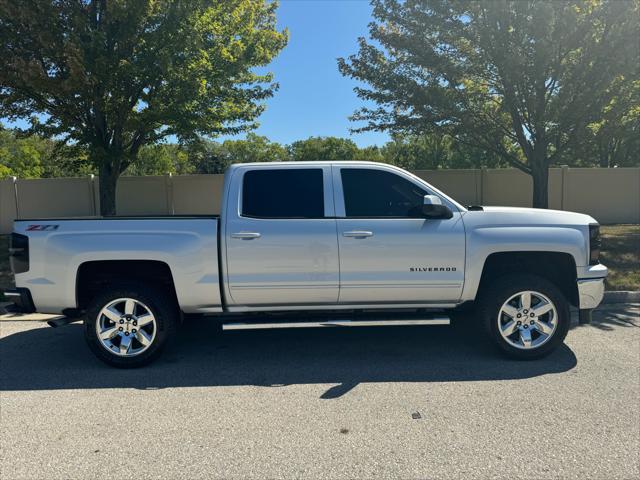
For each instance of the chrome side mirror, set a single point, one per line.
(434, 209)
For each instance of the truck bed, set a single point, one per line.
(58, 248)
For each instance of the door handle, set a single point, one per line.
(358, 234)
(246, 235)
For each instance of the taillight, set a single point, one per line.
(594, 244)
(19, 253)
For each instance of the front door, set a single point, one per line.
(281, 242)
(388, 251)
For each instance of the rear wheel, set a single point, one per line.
(129, 326)
(526, 316)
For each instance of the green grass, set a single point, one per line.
(620, 253)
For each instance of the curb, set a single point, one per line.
(621, 297)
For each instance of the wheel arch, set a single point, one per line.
(557, 267)
(92, 276)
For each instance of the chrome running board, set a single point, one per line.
(434, 320)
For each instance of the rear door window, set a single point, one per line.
(283, 193)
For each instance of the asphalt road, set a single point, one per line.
(428, 402)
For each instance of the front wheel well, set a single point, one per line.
(558, 268)
(94, 276)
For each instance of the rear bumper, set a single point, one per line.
(590, 293)
(21, 299)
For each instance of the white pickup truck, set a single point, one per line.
(331, 243)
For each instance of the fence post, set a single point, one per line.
(92, 192)
(169, 190)
(563, 185)
(483, 174)
(15, 195)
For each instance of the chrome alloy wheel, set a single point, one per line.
(527, 320)
(126, 327)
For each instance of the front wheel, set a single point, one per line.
(128, 326)
(526, 316)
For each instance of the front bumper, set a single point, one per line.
(21, 299)
(590, 293)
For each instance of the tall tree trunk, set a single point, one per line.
(109, 167)
(108, 182)
(540, 175)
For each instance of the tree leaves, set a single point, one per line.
(522, 79)
(114, 76)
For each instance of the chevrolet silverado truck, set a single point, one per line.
(313, 244)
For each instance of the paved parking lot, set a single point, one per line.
(428, 402)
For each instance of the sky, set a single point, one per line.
(314, 99)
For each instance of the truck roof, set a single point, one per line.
(315, 162)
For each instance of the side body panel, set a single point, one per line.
(399, 260)
(508, 229)
(405, 260)
(289, 261)
(187, 245)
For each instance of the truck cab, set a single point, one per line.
(338, 234)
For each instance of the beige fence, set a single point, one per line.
(609, 195)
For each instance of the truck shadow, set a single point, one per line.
(49, 359)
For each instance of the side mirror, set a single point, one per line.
(434, 209)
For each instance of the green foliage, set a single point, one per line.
(254, 148)
(112, 76)
(21, 157)
(67, 161)
(36, 157)
(212, 157)
(209, 157)
(524, 80)
(412, 152)
(323, 148)
(435, 151)
(161, 159)
(614, 139)
(371, 153)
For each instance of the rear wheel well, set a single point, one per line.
(558, 268)
(94, 276)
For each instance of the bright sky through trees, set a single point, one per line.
(314, 99)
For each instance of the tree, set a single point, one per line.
(161, 159)
(323, 148)
(22, 157)
(208, 157)
(213, 157)
(614, 139)
(434, 151)
(254, 148)
(372, 153)
(418, 152)
(496, 75)
(115, 75)
(33, 156)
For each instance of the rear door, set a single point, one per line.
(281, 241)
(389, 252)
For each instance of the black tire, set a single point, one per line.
(161, 305)
(502, 289)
